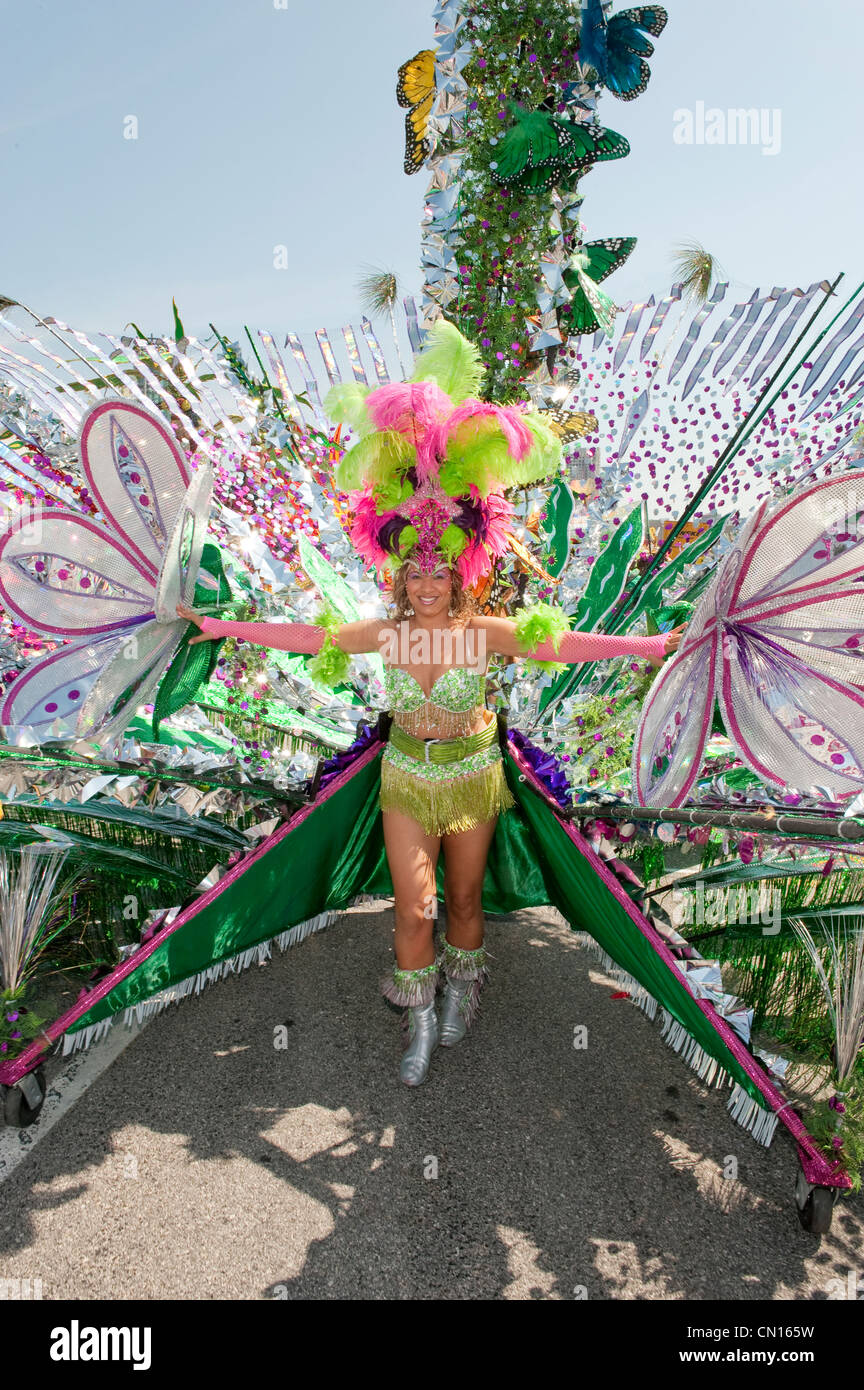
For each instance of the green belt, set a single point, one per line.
(442, 750)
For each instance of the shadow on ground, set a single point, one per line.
(210, 1162)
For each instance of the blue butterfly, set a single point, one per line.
(617, 48)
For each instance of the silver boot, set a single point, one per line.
(465, 973)
(457, 1009)
(423, 1037)
(414, 991)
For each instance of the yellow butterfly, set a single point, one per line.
(416, 89)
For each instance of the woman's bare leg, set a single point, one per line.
(412, 856)
(465, 856)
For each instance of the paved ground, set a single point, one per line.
(207, 1163)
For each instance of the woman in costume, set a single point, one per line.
(428, 473)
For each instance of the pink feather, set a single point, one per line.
(500, 518)
(515, 431)
(416, 409)
(366, 528)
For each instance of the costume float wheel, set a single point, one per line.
(23, 1101)
(815, 1206)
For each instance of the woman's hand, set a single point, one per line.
(192, 617)
(673, 639)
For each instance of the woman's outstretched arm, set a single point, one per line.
(578, 646)
(305, 638)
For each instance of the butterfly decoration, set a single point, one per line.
(617, 48)
(108, 589)
(415, 89)
(778, 639)
(590, 308)
(540, 150)
(570, 425)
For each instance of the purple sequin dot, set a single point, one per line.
(837, 758)
(817, 738)
(74, 694)
(49, 709)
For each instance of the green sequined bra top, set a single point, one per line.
(451, 710)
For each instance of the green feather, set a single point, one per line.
(541, 622)
(545, 455)
(375, 459)
(450, 360)
(331, 666)
(452, 542)
(346, 405)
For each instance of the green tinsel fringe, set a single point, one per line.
(444, 807)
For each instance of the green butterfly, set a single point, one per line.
(590, 308)
(541, 150)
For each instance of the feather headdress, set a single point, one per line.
(431, 462)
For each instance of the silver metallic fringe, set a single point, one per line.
(412, 988)
(760, 1123)
(460, 964)
(73, 1042)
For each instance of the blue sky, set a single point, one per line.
(260, 127)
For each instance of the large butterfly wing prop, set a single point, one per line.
(48, 697)
(779, 640)
(137, 474)
(415, 88)
(108, 588)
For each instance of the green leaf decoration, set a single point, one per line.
(178, 326)
(336, 594)
(605, 586)
(651, 594)
(609, 573)
(556, 528)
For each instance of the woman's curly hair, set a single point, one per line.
(462, 603)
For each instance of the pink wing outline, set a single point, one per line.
(675, 723)
(139, 494)
(43, 608)
(55, 686)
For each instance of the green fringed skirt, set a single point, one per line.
(445, 797)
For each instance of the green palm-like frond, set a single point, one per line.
(696, 269)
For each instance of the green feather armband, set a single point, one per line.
(331, 666)
(541, 622)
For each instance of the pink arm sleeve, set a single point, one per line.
(596, 646)
(288, 637)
